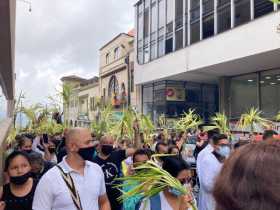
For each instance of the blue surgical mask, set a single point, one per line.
(175, 192)
(224, 151)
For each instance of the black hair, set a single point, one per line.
(14, 155)
(174, 165)
(36, 157)
(141, 152)
(269, 134)
(171, 148)
(212, 132)
(22, 140)
(217, 137)
(160, 143)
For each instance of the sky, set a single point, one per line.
(63, 37)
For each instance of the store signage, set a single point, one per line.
(175, 94)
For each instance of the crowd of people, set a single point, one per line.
(77, 171)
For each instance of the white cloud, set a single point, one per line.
(62, 37)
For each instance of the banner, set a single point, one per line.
(175, 94)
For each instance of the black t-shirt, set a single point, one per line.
(112, 169)
(13, 202)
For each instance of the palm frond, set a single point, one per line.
(220, 122)
(189, 120)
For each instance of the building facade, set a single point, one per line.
(117, 72)
(7, 72)
(211, 55)
(84, 101)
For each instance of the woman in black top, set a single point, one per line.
(18, 194)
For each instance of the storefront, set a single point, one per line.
(260, 90)
(172, 98)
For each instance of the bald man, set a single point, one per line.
(75, 183)
(110, 161)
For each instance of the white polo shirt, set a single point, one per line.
(53, 194)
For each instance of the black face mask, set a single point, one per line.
(28, 151)
(20, 180)
(52, 150)
(87, 153)
(107, 149)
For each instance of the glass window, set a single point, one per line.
(161, 14)
(161, 50)
(208, 18)
(208, 26)
(179, 39)
(107, 58)
(224, 15)
(153, 51)
(195, 21)
(146, 23)
(262, 7)
(140, 26)
(140, 56)
(186, 21)
(154, 18)
(170, 10)
(117, 53)
(146, 54)
(243, 94)
(169, 46)
(179, 13)
(147, 100)
(242, 12)
(270, 93)
(147, 3)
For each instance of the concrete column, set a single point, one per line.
(224, 95)
(10, 108)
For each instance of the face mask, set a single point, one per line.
(20, 180)
(28, 151)
(86, 153)
(174, 192)
(107, 149)
(224, 151)
(52, 150)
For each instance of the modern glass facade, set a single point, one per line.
(164, 26)
(172, 98)
(260, 90)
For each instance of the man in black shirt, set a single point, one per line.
(110, 161)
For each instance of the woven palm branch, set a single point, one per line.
(219, 121)
(251, 119)
(151, 180)
(189, 120)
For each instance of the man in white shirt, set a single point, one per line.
(209, 167)
(86, 185)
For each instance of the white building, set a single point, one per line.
(210, 55)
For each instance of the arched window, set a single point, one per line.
(113, 86)
(117, 53)
(107, 58)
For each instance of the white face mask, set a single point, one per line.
(224, 151)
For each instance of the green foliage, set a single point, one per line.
(11, 136)
(219, 121)
(253, 118)
(275, 1)
(189, 120)
(152, 180)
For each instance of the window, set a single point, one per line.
(208, 18)
(140, 26)
(140, 55)
(270, 93)
(153, 51)
(169, 11)
(107, 58)
(195, 21)
(146, 54)
(146, 25)
(243, 94)
(117, 53)
(224, 15)
(169, 45)
(113, 88)
(186, 19)
(132, 79)
(161, 14)
(179, 39)
(92, 104)
(262, 7)
(179, 14)
(161, 50)
(154, 18)
(242, 12)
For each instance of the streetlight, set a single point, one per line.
(29, 3)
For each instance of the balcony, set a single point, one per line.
(113, 66)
